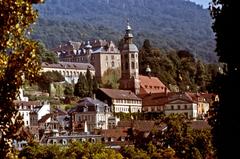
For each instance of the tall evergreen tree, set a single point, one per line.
(89, 83)
(144, 56)
(80, 88)
(225, 123)
(95, 84)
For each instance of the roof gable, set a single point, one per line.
(180, 101)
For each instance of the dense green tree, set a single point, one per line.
(68, 91)
(111, 78)
(200, 75)
(176, 68)
(145, 57)
(224, 121)
(134, 153)
(89, 79)
(47, 78)
(95, 85)
(17, 60)
(73, 150)
(45, 55)
(177, 140)
(86, 85)
(80, 88)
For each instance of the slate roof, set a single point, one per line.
(90, 104)
(130, 47)
(69, 65)
(119, 94)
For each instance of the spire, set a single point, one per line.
(128, 35)
(128, 26)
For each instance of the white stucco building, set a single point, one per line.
(182, 103)
(69, 70)
(90, 114)
(25, 108)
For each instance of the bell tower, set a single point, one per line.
(129, 63)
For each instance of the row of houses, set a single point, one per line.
(92, 120)
(99, 113)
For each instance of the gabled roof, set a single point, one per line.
(180, 101)
(154, 99)
(119, 94)
(45, 118)
(151, 84)
(180, 98)
(160, 99)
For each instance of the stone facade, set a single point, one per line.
(102, 54)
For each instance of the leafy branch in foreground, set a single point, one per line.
(17, 61)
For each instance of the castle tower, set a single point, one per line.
(129, 63)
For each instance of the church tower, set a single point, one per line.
(129, 63)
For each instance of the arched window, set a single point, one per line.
(133, 65)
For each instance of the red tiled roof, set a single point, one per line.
(150, 84)
(203, 97)
(154, 99)
(209, 96)
(143, 125)
(139, 125)
(115, 133)
(119, 94)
